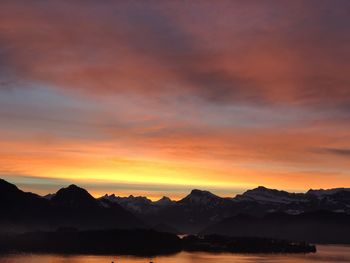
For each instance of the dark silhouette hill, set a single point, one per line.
(74, 197)
(69, 207)
(19, 209)
(315, 227)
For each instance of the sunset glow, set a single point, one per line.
(156, 98)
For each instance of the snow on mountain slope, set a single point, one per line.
(264, 195)
(139, 204)
(199, 197)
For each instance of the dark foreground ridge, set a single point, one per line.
(140, 242)
(315, 227)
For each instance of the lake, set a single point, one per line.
(325, 253)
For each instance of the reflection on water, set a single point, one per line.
(325, 254)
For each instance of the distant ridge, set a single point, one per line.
(201, 208)
(324, 192)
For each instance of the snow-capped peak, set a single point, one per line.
(200, 197)
(262, 194)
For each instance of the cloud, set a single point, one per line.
(211, 86)
(259, 52)
(336, 151)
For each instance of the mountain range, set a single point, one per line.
(198, 212)
(200, 209)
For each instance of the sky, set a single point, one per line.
(156, 98)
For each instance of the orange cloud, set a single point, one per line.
(231, 51)
(233, 93)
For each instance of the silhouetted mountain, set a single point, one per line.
(336, 200)
(315, 227)
(200, 208)
(138, 204)
(74, 196)
(9, 192)
(264, 195)
(18, 208)
(201, 198)
(192, 213)
(326, 192)
(71, 206)
(75, 207)
(164, 201)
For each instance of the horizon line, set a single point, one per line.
(22, 187)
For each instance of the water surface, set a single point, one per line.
(325, 253)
